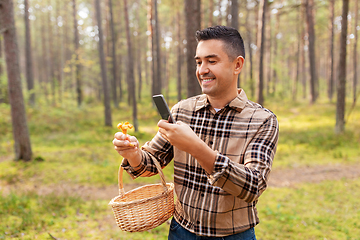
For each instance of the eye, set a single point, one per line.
(212, 61)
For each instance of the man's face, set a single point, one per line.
(215, 71)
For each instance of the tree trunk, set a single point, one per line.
(355, 51)
(261, 43)
(139, 70)
(66, 54)
(211, 13)
(120, 67)
(220, 15)
(303, 53)
(50, 51)
(59, 51)
(1, 56)
(29, 62)
(131, 78)
(275, 61)
(303, 64)
(179, 56)
(268, 52)
(62, 57)
(2, 91)
(341, 83)
(108, 121)
(139, 52)
(157, 50)
(77, 63)
(249, 34)
(41, 65)
(150, 17)
(228, 13)
(18, 115)
(45, 59)
(234, 11)
(297, 77)
(235, 14)
(312, 50)
(166, 64)
(114, 74)
(331, 54)
(192, 20)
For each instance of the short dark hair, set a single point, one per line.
(234, 44)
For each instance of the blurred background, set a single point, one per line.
(71, 70)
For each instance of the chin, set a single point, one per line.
(206, 91)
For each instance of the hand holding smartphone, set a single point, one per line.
(163, 108)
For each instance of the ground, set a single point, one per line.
(278, 178)
(291, 177)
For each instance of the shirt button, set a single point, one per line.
(211, 142)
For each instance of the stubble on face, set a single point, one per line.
(214, 68)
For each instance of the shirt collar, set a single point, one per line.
(238, 103)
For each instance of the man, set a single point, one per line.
(222, 144)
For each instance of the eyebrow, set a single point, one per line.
(208, 56)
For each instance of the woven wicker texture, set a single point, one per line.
(143, 208)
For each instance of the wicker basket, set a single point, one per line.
(145, 207)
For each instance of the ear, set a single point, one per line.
(239, 63)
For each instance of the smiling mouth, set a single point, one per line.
(208, 80)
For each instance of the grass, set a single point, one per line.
(307, 136)
(31, 216)
(71, 146)
(328, 210)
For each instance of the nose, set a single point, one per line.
(203, 69)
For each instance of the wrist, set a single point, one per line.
(205, 156)
(135, 159)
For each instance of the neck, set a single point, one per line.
(221, 101)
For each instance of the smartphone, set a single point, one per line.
(163, 108)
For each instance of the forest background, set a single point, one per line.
(66, 81)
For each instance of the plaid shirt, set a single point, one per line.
(245, 136)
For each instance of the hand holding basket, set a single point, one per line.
(145, 207)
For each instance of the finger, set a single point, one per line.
(180, 123)
(164, 124)
(162, 131)
(121, 143)
(163, 134)
(115, 142)
(120, 136)
(133, 141)
(125, 150)
(132, 138)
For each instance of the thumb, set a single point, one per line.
(180, 123)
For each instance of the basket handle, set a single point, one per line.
(158, 167)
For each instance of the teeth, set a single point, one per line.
(208, 80)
